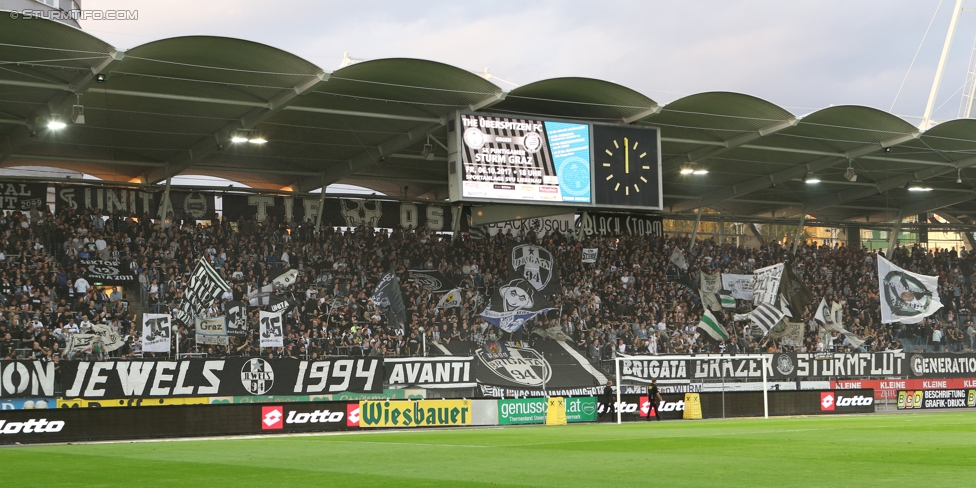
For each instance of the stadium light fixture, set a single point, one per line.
(56, 124)
(238, 139)
(687, 170)
(917, 186)
(811, 179)
(850, 175)
(100, 78)
(700, 171)
(257, 140)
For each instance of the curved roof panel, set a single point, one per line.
(176, 103)
(577, 98)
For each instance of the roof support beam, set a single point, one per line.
(732, 143)
(936, 203)
(57, 104)
(642, 114)
(792, 172)
(211, 143)
(884, 185)
(388, 148)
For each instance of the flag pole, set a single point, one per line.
(616, 362)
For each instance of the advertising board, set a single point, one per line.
(533, 410)
(90, 424)
(419, 413)
(936, 399)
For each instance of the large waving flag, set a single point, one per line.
(906, 297)
(712, 327)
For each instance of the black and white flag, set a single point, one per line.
(107, 272)
(513, 304)
(272, 330)
(389, 297)
(432, 280)
(678, 259)
(156, 332)
(766, 316)
(451, 299)
(236, 318)
(536, 265)
(590, 254)
(906, 297)
(795, 293)
(204, 287)
(765, 284)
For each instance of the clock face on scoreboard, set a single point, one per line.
(626, 170)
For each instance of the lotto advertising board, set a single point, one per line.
(890, 388)
(533, 410)
(528, 160)
(750, 404)
(91, 424)
(936, 399)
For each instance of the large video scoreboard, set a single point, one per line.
(554, 162)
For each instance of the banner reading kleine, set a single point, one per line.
(420, 413)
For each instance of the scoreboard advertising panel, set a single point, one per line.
(553, 162)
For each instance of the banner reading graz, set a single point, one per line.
(347, 212)
(22, 196)
(125, 201)
(779, 366)
(548, 367)
(219, 377)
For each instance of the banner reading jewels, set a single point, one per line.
(219, 377)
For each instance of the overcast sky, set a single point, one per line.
(801, 55)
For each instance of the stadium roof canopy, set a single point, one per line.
(171, 107)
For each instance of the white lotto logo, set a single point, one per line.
(318, 416)
(678, 406)
(31, 426)
(827, 401)
(857, 401)
(272, 417)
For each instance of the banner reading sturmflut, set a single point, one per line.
(906, 297)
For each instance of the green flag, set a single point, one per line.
(711, 327)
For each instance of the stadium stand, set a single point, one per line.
(630, 301)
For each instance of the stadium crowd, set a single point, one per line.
(631, 300)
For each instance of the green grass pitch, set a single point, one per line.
(932, 449)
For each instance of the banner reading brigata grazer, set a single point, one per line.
(220, 377)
